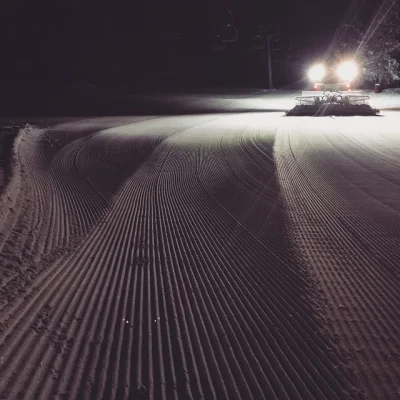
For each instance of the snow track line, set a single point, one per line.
(367, 219)
(182, 260)
(385, 242)
(62, 333)
(199, 236)
(364, 319)
(317, 396)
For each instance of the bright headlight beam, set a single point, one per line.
(347, 71)
(316, 73)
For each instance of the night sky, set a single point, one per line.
(292, 15)
(53, 38)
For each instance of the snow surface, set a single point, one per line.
(228, 253)
(389, 99)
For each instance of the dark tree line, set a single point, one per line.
(373, 38)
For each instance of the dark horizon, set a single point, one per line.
(163, 42)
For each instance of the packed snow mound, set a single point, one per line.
(391, 91)
(389, 99)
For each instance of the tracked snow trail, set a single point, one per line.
(341, 189)
(178, 258)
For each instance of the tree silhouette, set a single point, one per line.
(376, 46)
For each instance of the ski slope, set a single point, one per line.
(227, 254)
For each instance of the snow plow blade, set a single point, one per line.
(331, 103)
(332, 109)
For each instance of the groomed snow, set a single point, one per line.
(228, 253)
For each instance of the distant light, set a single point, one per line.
(317, 73)
(347, 71)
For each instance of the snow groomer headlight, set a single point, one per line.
(317, 73)
(347, 71)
